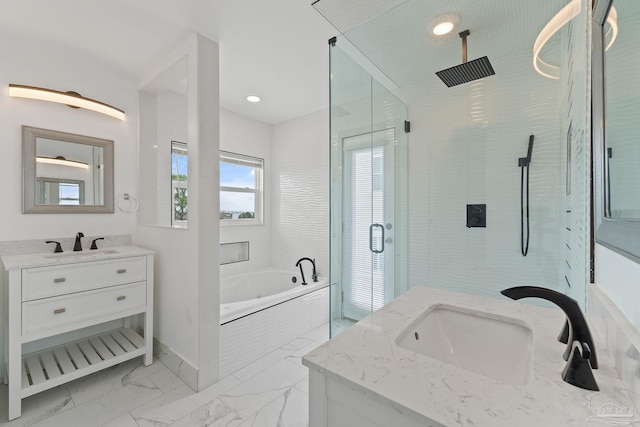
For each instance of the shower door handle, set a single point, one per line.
(371, 227)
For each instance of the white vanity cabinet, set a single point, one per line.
(47, 297)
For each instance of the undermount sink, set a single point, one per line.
(495, 346)
(82, 254)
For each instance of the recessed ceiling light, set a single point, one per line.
(443, 28)
(253, 98)
(443, 24)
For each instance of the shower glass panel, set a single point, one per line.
(368, 192)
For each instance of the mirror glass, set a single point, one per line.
(622, 109)
(164, 160)
(66, 173)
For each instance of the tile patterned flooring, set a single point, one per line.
(271, 391)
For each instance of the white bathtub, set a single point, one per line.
(246, 293)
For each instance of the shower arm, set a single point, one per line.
(464, 35)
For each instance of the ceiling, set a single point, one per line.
(276, 49)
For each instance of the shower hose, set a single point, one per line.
(524, 246)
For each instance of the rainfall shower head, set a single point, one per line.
(467, 71)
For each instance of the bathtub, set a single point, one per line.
(262, 311)
(246, 293)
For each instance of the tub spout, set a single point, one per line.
(314, 275)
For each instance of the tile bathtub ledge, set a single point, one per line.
(366, 359)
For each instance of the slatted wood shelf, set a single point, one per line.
(52, 367)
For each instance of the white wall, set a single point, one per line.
(187, 292)
(464, 146)
(619, 278)
(41, 63)
(242, 135)
(300, 192)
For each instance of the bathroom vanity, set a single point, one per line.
(490, 362)
(71, 314)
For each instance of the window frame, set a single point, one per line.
(258, 164)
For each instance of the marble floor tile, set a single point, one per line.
(295, 357)
(270, 359)
(123, 421)
(290, 409)
(296, 344)
(253, 394)
(214, 414)
(303, 386)
(320, 334)
(179, 403)
(166, 380)
(36, 408)
(107, 407)
(132, 372)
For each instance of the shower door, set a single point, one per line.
(368, 222)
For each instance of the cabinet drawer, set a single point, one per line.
(55, 315)
(45, 282)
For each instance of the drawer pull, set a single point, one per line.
(59, 311)
(59, 280)
(122, 271)
(121, 297)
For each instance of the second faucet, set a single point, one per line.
(314, 275)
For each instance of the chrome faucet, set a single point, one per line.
(314, 275)
(580, 352)
(78, 245)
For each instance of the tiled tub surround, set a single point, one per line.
(253, 328)
(388, 385)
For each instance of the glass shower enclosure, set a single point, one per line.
(369, 135)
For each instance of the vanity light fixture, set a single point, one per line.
(443, 24)
(566, 14)
(253, 98)
(61, 161)
(72, 99)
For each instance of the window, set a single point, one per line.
(241, 194)
(179, 184)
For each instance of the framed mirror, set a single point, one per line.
(66, 173)
(616, 148)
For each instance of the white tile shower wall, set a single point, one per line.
(251, 337)
(576, 118)
(300, 203)
(239, 134)
(465, 151)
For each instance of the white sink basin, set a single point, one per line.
(491, 345)
(82, 254)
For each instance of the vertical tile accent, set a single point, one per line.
(575, 102)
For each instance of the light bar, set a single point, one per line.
(71, 99)
(566, 14)
(61, 161)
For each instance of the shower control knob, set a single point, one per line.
(388, 240)
(388, 226)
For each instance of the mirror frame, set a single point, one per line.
(620, 235)
(29, 205)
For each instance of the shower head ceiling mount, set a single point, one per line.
(467, 71)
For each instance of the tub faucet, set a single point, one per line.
(580, 352)
(314, 275)
(78, 245)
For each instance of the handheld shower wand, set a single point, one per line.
(523, 162)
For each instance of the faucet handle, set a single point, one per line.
(578, 371)
(58, 248)
(564, 333)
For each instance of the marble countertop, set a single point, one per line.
(366, 358)
(13, 262)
